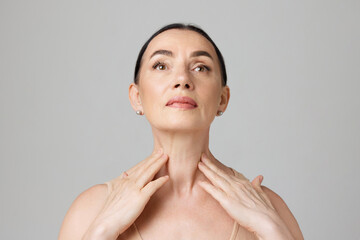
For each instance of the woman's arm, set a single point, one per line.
(103, 215)
(256, 208)
(284, 212)
(82, 212)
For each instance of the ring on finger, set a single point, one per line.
(124, 175)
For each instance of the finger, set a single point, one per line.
(124, 175)
(216, 193)
(143, 169)
(153, 186)
(253, 193)
(240, 175)
(214, 178)
(254, 188)
(256, 183)
(266, 198)
(147, 174)
(153, 157)
(207, 161)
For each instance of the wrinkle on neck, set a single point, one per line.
(184, 150)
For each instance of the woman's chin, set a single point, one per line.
(178, 126)
(180, 121)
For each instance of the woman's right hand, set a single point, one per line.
(127, 198)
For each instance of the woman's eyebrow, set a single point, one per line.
(162, 52)
(170, 54)
(201, 53)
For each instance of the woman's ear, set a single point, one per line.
(134, 97)
(224, 99)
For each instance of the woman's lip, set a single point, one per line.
(182, 102)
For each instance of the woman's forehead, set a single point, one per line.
(176, 40)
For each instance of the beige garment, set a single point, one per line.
(133, 233)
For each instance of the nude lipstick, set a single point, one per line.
(181, 102)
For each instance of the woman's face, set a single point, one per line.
(180, 85)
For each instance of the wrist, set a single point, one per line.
(275, 228)
(98, 232)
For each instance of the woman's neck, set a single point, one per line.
(184, 151)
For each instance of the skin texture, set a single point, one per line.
(181, 191)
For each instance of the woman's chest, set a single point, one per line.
(186, 221)
(183, 227)
(179, 234)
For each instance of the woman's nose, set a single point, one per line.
(186, 85)
(183, 80)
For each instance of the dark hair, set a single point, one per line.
(183, 27)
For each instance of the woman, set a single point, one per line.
(181, 191)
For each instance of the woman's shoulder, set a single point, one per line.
(280, 206)
(91, 197)
(284, 212)
(83, 211)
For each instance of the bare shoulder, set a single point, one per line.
(82, 212)
(284, 212)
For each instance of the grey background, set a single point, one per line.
(66, 122)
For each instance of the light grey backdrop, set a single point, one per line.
(66, 123)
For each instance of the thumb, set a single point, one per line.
(257, 181)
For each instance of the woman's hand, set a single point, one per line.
(127, 198)
(244, 201)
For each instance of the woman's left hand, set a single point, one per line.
(244, 201)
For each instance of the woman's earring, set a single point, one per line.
(219, 113)
(138, 112)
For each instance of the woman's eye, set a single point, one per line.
(201, 68)
(159, 66)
